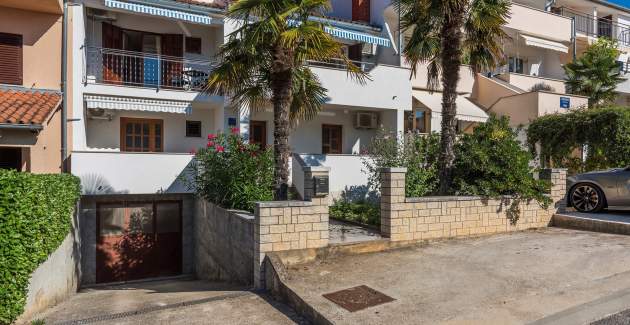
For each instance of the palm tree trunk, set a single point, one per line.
(282, 93)
(451, 59)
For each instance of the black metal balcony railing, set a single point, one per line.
(596, 27)
(112, 66)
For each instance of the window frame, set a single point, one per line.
(331, 126)
(152, 135)
(189, 135)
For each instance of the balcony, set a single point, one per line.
(147, 70)
(588, 25)
(130, 172)
(539, 23)
(388, 87)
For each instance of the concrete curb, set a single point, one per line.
(590, 224)
(275, 276)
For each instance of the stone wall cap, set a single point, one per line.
(282, 204)
(459, 198)
(393, 170)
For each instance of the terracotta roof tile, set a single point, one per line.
(27, 106)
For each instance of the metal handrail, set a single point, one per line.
(584, 23)
(115, 66)
(341, 64)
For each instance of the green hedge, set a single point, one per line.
(604, 132)
(35, 217)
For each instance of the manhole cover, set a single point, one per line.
(358, 298)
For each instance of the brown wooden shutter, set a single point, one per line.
(10, 59)
(112, 63)
(361, 10)
(172, 45)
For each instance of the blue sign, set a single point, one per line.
(565, 102)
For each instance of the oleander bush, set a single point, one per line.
(231, 173)
(364, 212)
(35, 217)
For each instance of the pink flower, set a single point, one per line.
(220, 149)
(210, 144)
(193, 151)
(235, 130)
(212, 136)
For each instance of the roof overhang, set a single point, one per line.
(545, 44)
(137, 104)
(466, 110)
(29, 127)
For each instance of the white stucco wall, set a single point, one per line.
(389, 87)
(105, 135)
(307, 136)
(130, 173)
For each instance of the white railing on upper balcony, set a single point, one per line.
(120, 67)
(596, 27)
(341, 64)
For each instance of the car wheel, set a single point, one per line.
(587, 198)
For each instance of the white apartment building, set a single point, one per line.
(136, 110)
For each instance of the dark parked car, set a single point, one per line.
(594, 191)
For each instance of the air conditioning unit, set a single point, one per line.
(366, 120)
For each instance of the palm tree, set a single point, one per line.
(595, 73)
(441, 32)
(264, 60)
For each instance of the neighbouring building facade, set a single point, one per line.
(136, 111)
(30, 85)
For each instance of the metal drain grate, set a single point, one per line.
(358, 298)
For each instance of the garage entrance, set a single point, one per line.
(137, 240)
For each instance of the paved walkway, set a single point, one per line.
(170, 302)
(606, 215)
(344, 232)
(549, 276)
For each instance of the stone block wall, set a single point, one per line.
(408, 219)
(288, 225)
(223, 243)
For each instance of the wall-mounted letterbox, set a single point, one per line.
(320, 185)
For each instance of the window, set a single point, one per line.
(10, 59)
(516, 65)
(416, 121)
(331, 139)
(193, 45)
(193, 129)
(258, 133)
(141, 135)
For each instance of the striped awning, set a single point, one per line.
(350, 34)
(357, 36)
(137, 104)
(157, 11)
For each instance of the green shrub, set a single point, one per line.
(364, 212)
(418, 153)
(491, 162)
(603, 132)
(35, 217)
(233, 174)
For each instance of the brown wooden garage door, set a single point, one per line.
(137, 240)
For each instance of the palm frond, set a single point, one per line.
(309, 96)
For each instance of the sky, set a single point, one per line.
(625, 3)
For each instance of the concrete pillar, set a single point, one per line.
(595, 30)
(392, 197)
(558, 179)
(400, 124)
(244, 116)
(76, 109)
